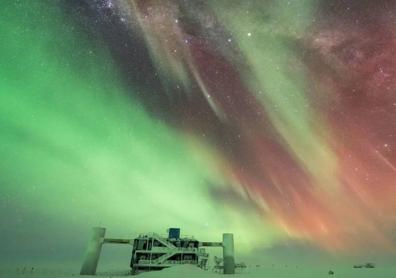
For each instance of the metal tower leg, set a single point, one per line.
(228, 254)
(93, 251)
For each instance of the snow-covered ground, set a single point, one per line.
(194, 272)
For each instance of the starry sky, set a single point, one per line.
(275, 120)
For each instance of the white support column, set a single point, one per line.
(93, 251)
(228, 254)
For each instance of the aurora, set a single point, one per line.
(271, 119)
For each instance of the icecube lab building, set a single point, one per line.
(154, 252)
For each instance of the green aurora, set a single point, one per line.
(77, 151)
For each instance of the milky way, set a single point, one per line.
(272, 119)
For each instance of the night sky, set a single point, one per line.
(271, 119)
